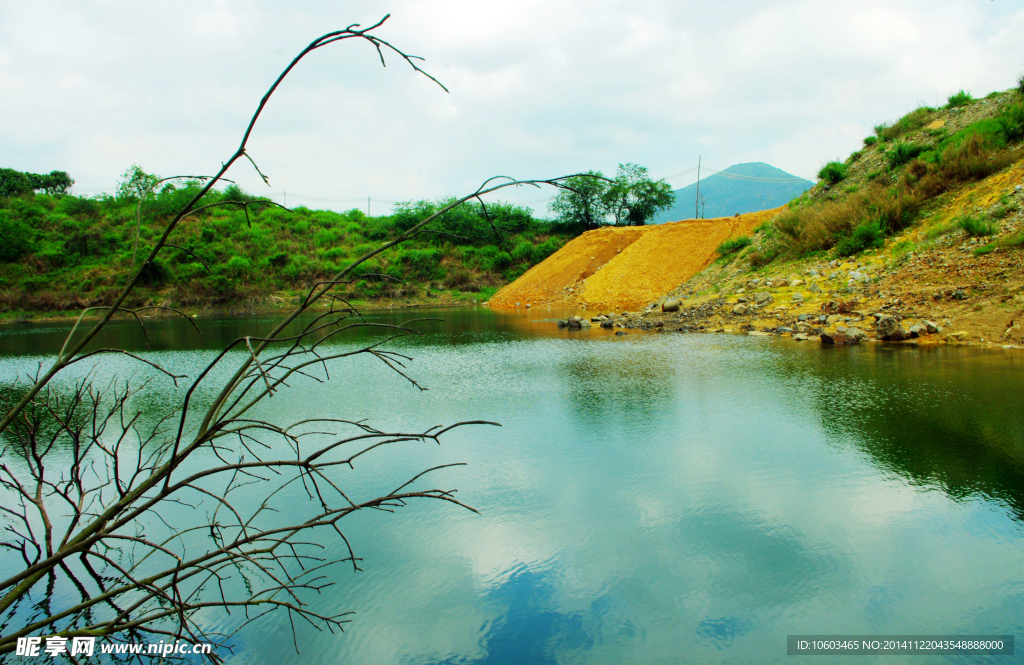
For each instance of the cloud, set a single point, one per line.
(537, 88)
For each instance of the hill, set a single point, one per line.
(64, 252)
(741, 188)
(917, 237)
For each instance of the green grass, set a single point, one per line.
(733, 245)
(958, 99)
(1010, 242)
(1011, 122)
(869, 235)
(911, 122)
(870, 141)
(901, 153)
(832, 173)
(976, 226)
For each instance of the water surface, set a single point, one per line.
(651, 498)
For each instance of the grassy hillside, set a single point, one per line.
(906, 171)
(741, 188)
(60, 253)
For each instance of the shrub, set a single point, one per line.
(1011, 122)
(959, 99)
(733, 245)
(975, 226)
(238, 266)
(1020, 84)
(14, 238)
(279, 260)
(523, 252)
(832, 173)
(901, 153)
(870, 140)
(866, 236)
(911, 122)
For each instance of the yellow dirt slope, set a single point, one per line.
(625, 268)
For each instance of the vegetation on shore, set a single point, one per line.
(60, 252)
(898, 179)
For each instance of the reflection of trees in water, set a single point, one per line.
(635, 385)
(949, 418)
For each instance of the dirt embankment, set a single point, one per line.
(625, 268)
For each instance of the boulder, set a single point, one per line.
(584, 323)
(887, 327)
(762, 298)
(563, 323)
(797, 297)
(837, 339)
(804, 328)
(782, 282)
(782, 330)
(619, 333)
(814, 288)
(739, 309)
(931, 326)
(607, 323)
(670, 305)
(857, 334)
(918, 331)
(833, 318)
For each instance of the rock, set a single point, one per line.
(619, 333)
(563, 323)
(758, 333)
(782, 330)
(584, 323)
(797, 282)
(918, 331)
(797, 297)
(959, 295)
(960, 336)
(607, 323)
(800, 337)
(887, 327)
(742, 299)
(857, 334)
(739, 309)
(802, 317)
(671, 305)
(804, 328)
(741, 290)
(822, 319)
(838, 339)
(762, 298)
(754, 283)
(782, 282)
(841, 329)
(814, 288)
(527, 305)
(832, 318)
(932, 328)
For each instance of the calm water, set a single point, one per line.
(653, 498)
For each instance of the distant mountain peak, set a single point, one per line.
(740, 188)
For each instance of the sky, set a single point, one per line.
(537, 89)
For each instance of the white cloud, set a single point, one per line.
(537, 88)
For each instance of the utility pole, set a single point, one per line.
(367, 206)
(696, 201)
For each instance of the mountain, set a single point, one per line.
(740, 188)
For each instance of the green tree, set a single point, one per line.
(135, 183)
(633, 197)
(581, 203)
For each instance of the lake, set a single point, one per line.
(648, 498)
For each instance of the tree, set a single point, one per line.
(633, 197)
(582, 201)
(13, 183)
(88, 550)
(135, 183)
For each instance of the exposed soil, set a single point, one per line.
(624, 268)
